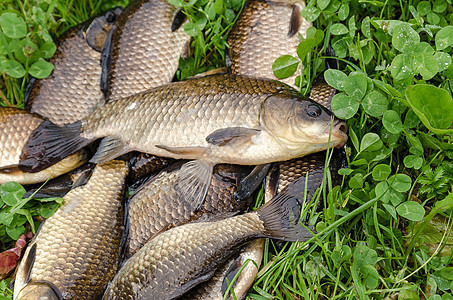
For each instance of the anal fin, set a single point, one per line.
(193, 182)
(109, 148)
(224, 136)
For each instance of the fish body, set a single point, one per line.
(75, 252)
(146, 46)
(73, 89)
(296, 170)
(264, 31)
(176, 260)
(16, 127)
(157, 206)
(215, 119)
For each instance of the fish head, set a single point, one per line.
(301, 125)
(99, 28)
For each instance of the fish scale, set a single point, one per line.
(174, 254)
(180, 108)
(78, 247)
(269, 19)
(145, 51)
(73, 89)
(157, 206)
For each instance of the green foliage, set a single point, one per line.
(209, 24)
(5, 292)
(16, 214)
(395, 91)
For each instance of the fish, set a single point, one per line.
(16, 127)
(246, 263)
(73, 89)
(180, 258)
(146, 45)
(157, 206)
(215, 119)
(264, 31)
(75, 252)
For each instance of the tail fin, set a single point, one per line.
(50, 143)
(281, 218)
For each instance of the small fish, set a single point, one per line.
(73, 90)
(157, 206)
(264, 31)
(75, 252)
(246, 262)
(16, 125)
(180, 258)
(214, 119)
(147, 42)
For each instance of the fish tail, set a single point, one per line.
(281, 218)
(50, 143)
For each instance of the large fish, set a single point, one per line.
(264, 31)
(16, 125)
(214, 119)
(75, 253)
(157, 206)
(147, 43)
(73, 90)
(178, 259)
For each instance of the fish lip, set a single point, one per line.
(339, 129)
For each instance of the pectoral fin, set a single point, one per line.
(109, 148)
(224, 136)
(295, 21)
(193, 182)
(251, 182)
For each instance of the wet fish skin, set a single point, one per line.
(264, 31)
(16, 127)
(73, 89)
(179, 258)
(241, 117)
(157, 206)
(76, 250)
(146, 47)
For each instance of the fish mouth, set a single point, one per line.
(339, 133)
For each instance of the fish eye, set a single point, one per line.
(110, 17)
(313, 110)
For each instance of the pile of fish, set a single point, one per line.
(195, 151)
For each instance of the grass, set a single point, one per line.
(385, 233)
